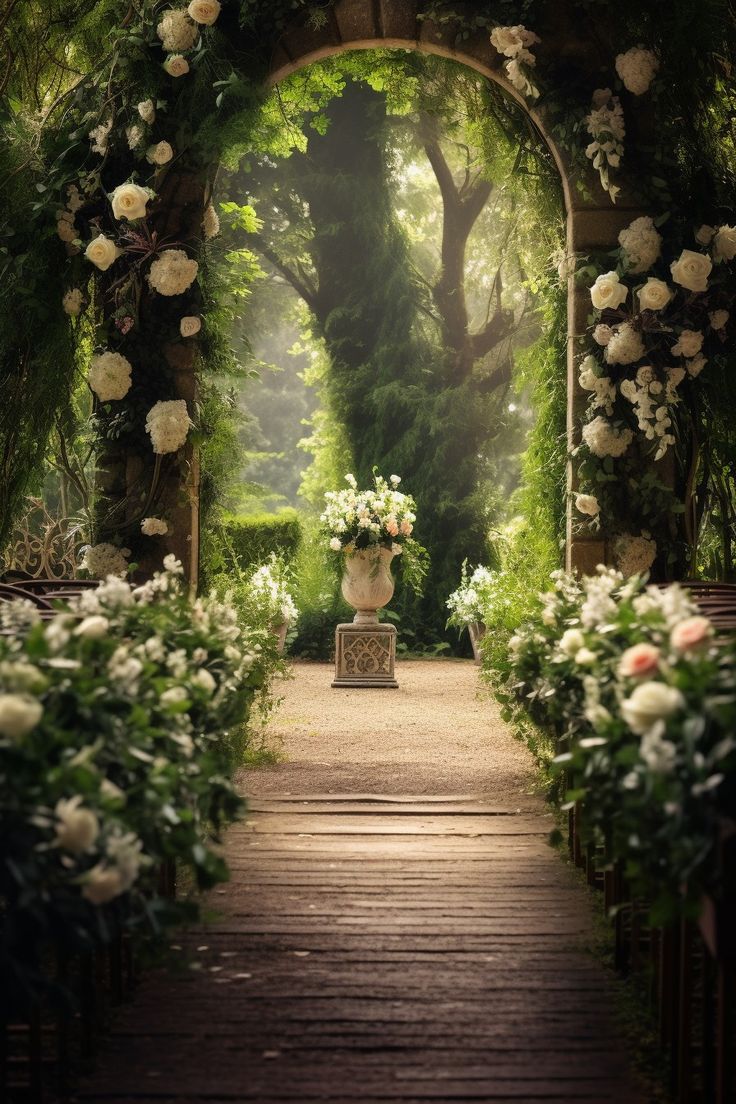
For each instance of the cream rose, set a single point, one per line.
(102, 252)
(587, 504)
(336, 544)
(571, 641)
(76, 828)
(691, 270)
(102, 884)
(190, 325)
(18, 715)
(129, 201)
(608, 291)
(176, 65)
(147, 111)
(204, 11)
(718, 319)
(655, 295)
(640, 661)
(724, 243)
(650, 702)
(93, 627)
(160, 154)
(692, 633)
(689, 343)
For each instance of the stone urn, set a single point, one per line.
(367, 583)
(477, 631)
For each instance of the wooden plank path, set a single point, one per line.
(379, 948)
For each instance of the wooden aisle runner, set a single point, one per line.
(375, 949)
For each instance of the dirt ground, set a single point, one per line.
(439, 733)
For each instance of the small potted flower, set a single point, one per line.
(467, 604)
(269, 585)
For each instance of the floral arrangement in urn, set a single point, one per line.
(372, 527)
(270, 589)
(467, 603)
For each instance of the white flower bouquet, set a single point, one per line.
(468, 603)
(383, 517)
(270, 584)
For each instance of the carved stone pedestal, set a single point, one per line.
(365, 655)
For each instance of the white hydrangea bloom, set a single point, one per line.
(168, 425)
(210, 222)
(641, 243)
(173, 272)
(154, 527)
(104, 559)
(626, 345)
(177, 31)
(604, 439)
(637, 68)
(109, 376)
(634, 554)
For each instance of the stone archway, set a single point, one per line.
(592, 222)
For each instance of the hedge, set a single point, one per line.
(253, 537)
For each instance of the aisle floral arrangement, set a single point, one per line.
(641, 694)
(468, 603)
(383, 517)
(271, 585)
(114, 758)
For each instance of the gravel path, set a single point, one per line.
(440, 733)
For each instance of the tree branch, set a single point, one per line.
(298, 281)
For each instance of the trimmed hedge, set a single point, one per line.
(253, 537)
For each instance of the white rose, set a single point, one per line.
(650, 702)
(724, 243)
(336, 544)
(689, 343)
(204, 11)
(76, 828)
(160, 154)
(147, 111)
(176, 65)
(608, 291)
(102, 252)
(174, 696)
(205, 681)
(18, 715)
(655, 295)
(587, 504)
(705, 235)
(190, 325)
(92, 627)
(691, 270)
(129, 201)
(585, 657)
(718, 319)
(102, 884)
(571, 641)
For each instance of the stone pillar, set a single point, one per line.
(365, 655)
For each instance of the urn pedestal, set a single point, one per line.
(365, 649)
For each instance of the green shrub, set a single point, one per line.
(253, 537)
(318, 598)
